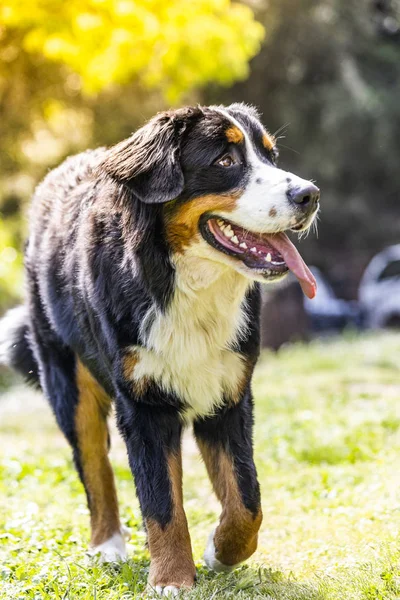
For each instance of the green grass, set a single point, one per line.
(327, 444)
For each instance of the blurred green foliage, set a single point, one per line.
(87, 72)
(158, 42)
(10, 260)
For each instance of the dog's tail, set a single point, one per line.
(15, 349)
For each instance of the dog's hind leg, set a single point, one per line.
(225, 442)
(81, 406)
(107, 537)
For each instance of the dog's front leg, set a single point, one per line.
(152, 433)
(225, 442)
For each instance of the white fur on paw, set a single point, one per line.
(210, 559)
(168, 590)
(112, 550)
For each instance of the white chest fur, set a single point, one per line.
(188, 349)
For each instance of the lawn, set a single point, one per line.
(327, 443)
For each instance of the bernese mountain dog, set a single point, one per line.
(143, 265)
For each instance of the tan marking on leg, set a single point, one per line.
(268, 141)
(248, 368)
(91, 427)
(237, 533)
(170, 547)
(130, 361)
(182, 220)
(234, 135)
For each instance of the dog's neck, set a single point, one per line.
(195, 275)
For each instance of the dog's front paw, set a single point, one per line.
(112, 550)
(168, 590)
(171, 571)
(210, 558)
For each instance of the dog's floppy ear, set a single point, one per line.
(149, 161)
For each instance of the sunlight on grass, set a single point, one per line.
(327, 444)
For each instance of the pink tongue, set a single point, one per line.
(296, 264)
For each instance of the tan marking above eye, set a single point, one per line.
(268, 141)
(234, 135)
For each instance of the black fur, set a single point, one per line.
(152, 433)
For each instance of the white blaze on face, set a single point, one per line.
(264, 206)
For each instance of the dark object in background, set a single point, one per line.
(287, 316)
(379, 291)
(327, 313)
(283, 318)
(386, 19)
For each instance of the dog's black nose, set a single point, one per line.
(306, 197)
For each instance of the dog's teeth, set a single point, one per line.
(268, 258)
(220, 222)
(234, 240)
(243, 245)
(253, 250)
(228, 232)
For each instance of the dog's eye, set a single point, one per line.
(226, 161)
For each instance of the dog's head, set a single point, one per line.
(214, 170)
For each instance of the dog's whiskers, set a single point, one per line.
(280, 129)
(289, 148)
